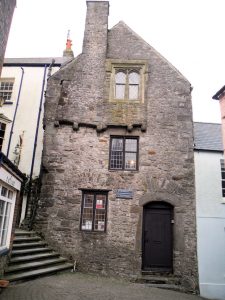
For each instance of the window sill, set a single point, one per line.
(4, 251)
(123, 171)
(223, 201)
(93, 232)
(126, 101)
(8, 102)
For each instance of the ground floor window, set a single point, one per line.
(7, 201)
(93, 211)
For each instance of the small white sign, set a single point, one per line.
(8, 178)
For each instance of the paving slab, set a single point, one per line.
(78, 286)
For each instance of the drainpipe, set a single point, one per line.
(14, 117)
(35, 140)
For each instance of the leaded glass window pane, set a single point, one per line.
(134, 78)
(94, 218)
(121, 77)
(100, 213)
(131, 145)
(120, 91)
(130, 161)
(116, 159)
(87, 215)
(133, 92)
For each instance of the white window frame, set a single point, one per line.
(7, 91)
(12, 202)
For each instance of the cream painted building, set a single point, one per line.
(22, 87)
(23, 84)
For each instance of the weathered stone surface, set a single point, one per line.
(6, 13)
(166, 168)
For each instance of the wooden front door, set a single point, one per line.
(157, 237)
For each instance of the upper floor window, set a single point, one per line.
(6, 89)
(127, 84)
(2, 133)
(93, 211)
(127, 80)
(123, 153)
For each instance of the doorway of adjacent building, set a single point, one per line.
(157, 237)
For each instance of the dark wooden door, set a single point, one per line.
(157, 237)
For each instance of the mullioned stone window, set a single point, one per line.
(123, 153)
(127, 80)
(94, 211)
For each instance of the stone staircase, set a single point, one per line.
(31, 257)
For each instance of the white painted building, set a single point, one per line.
(210, 209)
(31, 76)
(22, 86)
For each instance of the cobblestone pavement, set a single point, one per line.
(77, 286)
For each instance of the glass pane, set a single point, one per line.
(116, 160)
(4, 192)
(120, 77)
(117, 144)
(88, 200)
(100, 201)
(99, 220)
(2, 126)
(133, 92)
(5, 221)
(223, 193)
(134, 78)
(2, 206)
(130, 161)
(120, 91)
(131, 145)
(87, 214)
(10, 194)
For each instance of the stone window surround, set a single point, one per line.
(7, 93)
(94, 192)
(116, 64)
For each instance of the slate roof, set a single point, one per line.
(208, 136)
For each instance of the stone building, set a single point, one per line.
(6, 12)
(118, 193)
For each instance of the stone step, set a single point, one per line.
(18, 259)
(34, 264)
(30, 251)
(38, 272)
(151, 279)
(20, 232)
(172, 287)
(29, 244)
(26, 239)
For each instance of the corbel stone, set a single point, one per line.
(75, 126)
(129, 127)
(56, 123)
(143, 127)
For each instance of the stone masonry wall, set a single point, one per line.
(76, 156)
(6, 13)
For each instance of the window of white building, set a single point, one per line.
(7, 204)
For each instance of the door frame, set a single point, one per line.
(162, 205)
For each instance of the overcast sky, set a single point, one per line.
(188, 33)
